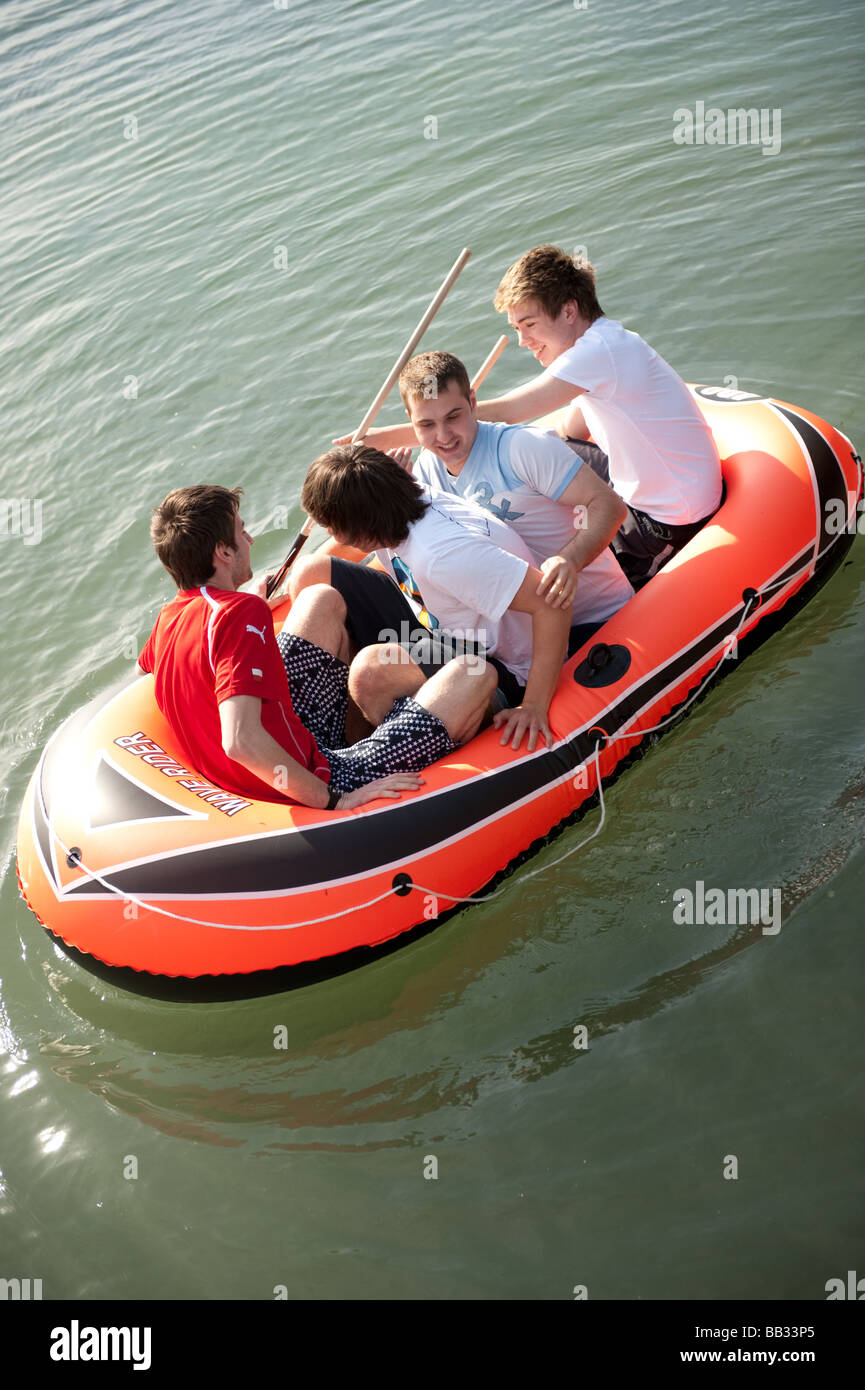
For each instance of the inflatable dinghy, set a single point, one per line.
(128, 854)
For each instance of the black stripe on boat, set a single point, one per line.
(831, 483)
(41, 826)
(119, 799)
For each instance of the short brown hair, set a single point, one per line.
(425, 375)
(188, 526)
(552, 277)
(362, 495)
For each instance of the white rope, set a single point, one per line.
(609, 743)
(488, 897)
(199, 921)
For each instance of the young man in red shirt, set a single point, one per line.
(221, 681)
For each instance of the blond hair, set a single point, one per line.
(552, 277)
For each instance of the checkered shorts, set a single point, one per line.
(407, 740)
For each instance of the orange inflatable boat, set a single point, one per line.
(126, 853)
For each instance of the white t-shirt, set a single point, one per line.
(663, 458)
(518, 475)
(468, 566)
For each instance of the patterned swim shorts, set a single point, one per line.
(407, 740)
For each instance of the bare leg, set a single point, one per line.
(315, 569)
(379, 675)
(318, 614)
(357, 726)
(572, 423)
(459, 693)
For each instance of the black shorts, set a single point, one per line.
(641, 545)
(378, 611)
(407, 740)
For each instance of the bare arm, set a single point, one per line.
(598, 514)
(550, 627)
(572, 424)
(246, 741)
(385, 437)
(526, 402)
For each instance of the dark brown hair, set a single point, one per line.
(362, 495)
(425, 375)
(552, 277)
(188, 526)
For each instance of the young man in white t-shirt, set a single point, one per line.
(662, 457)
(456, 579)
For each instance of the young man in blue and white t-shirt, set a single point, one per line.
(527, 478)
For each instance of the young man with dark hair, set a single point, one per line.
(466, 578)
(220, 679)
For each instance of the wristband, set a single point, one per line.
(332, 799)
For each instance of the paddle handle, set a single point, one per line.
(432, 309)
(489, 361)
(300, 539)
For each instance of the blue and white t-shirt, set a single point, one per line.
(466, 567)
(518, 475)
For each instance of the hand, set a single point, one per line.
(260, 588)
(402, 457)
(524, 719)
(391, 787)
(559, 584)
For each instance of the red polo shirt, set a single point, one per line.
(207, 645)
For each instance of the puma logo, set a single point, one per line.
(259, 631)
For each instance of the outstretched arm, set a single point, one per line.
(527, 402)
(384, 437)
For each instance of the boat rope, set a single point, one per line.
(750, 596)
(639, 733)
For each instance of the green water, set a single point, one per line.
(155, 158)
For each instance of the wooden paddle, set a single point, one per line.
(489, 362)
(435, 304)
